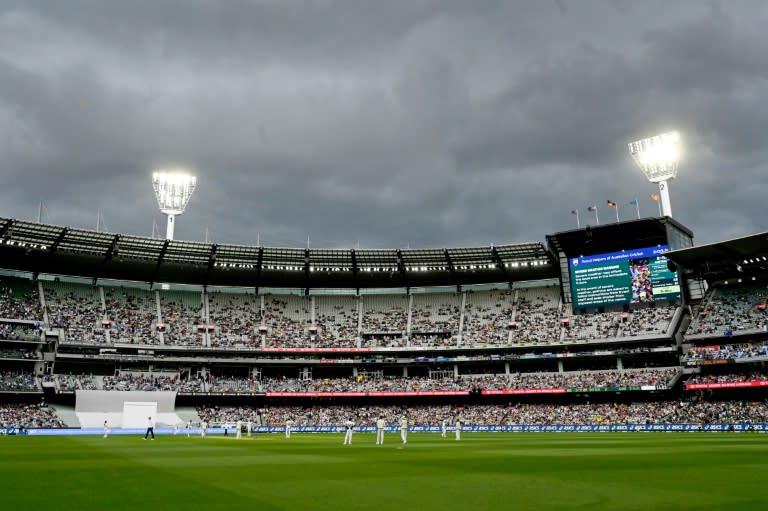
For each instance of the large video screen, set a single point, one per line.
(629, 276)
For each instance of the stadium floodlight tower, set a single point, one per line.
(173, 190)
(658, 157)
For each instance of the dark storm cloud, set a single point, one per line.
(389, 124)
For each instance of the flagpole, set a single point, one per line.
(617, 213)
(658, 202)
(597, 218)
(578, 223)
(637, 207)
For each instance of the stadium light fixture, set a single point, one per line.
(658, 158)
(173, 189)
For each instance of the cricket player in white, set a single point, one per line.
(288, 427)
(380, 425)
(189, 427)
(458, 428)
(239, 427)
(106, 429)
(249, 425)
(444, 428)
(404, 429)
(348, 435)
(203, 428)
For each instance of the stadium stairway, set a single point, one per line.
(67, 415)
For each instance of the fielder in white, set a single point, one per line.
(106, 429)
(239, 426)
(404, 430)
(444, 427)
(250, 428)
(288, 427)
(458, 429)
(203, 428)
(350, 424)
(380, 425)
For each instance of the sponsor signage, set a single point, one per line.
(726, 385)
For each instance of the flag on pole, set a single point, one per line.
(578, 222)
(613, 205)
(633, 202)
(655, 197)
(593, 208)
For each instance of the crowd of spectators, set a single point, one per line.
(336, 321)
(28, 416)
(648, 320)
(181, 313)
(20, 332)
(363, 384)
(132, 313)
(592, 326)
(71, 383)
(487, 316)
(384, 341)
(366, 383)
(151, 383)
(77, 310)
(288, 321)
(729, 310)
(657, 412)
(433, 340)
(694, 411)
(598, 379)
(523, 317)
(19, 302)
(11, 381)
(18, 353)
(728, 377)
(231, 385)
(727, 351)
(237, 318)
(435, 313)
(537, 316)
(385, 314)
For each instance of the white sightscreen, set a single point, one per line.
(137, 414)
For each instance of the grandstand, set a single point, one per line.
(501, 334)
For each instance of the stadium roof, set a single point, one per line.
(646, 232)
(746, 255)
(49, 249)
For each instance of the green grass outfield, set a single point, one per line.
(499, 471)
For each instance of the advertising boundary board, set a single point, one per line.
(521, 428)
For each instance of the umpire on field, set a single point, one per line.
(150, 429)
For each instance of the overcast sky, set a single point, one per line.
(385, 123)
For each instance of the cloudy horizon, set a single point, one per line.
(418, 123)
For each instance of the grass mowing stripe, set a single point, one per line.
(484, 471)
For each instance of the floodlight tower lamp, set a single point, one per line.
(658, 158)
(173, 191)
